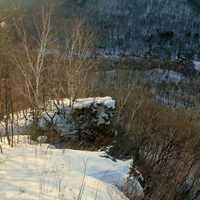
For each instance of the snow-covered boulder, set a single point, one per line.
(108, 102)
(42, 139)
(62, 119)
(83, 119)
(133, 187)
(94, 120)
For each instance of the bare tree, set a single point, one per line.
(79, 46)
(32, 58)
(7, 70)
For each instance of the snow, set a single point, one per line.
(39, 171)
(62, 120)
(160, 75)
(21, 121)
(42, 139)
(32, 172)
(60, 113)
(85, 103)
(196, 64)
(3, 24)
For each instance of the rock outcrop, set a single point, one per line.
(89, 121)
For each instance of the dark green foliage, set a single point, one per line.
(88, 127)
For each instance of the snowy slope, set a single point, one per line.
(32, 172)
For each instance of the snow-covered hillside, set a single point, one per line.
(32, 172)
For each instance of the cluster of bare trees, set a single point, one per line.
(163, 142)
(43, 57)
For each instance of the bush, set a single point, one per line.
(94, 124)
(163, 142)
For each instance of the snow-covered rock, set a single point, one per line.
(86, 119)
(42, 139)
(133, 189)
(87, 102)
(94, 123)
(134, 186)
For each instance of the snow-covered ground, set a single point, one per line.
(196, 64)
(40, 172)
(160, 75)
(21, 120)
(61, 118)
(32, 172)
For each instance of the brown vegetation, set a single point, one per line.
(35, 67)
(163, 142)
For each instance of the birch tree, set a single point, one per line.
(34, 44)
(79, 46)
